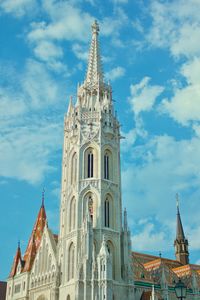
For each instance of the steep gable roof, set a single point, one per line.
(37, 232)
(16, 261)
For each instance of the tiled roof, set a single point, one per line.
(17, 258)
(37, 231)
(30, 257)
(33, 244)
(186, 270)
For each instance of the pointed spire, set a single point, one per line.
(180, 243)
(16, 261)
(94, 71)
(43, 197)
(179, 227)
(37, 231)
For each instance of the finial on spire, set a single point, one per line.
(94, 70)
(177, 201)
(18, 244)
(95, 27)
(43, 197)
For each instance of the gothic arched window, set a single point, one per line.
(71, 255)
(90, 164)
(106, 166)
(107, 212)
(74, 168)
(72, 216)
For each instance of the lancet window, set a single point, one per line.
(107, 212)
(90, 166)
(106, 166)
(74, 168)
(72, 216)
(71, 257)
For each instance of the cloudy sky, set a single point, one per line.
(151, 55)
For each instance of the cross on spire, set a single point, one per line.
(43, 197)
(94, 71)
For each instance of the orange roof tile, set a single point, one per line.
(37, 231)
(15, 262)
(186, 270)
(30, 257)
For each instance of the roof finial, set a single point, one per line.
(95, 27)
(177, 202)
(18, 243)
(43, 197)
(94, 70)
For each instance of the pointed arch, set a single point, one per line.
(108, 211)
(74, 168)
(71, 261)
(72, 214)
(90, 163)
(108, 164)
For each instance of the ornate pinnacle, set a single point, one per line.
(95, 27)
(94, 71)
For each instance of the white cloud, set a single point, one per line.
(18, 7)
(115, 73)
(46, 51)
(26, 151)
(149, 238)
(80, 52)
(184, 106)
(110, 26)
(67, 22)
(166, 167)
(29, 135)
(143, 95)
(176, 25)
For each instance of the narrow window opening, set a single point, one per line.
(90, 165)
(106, 166)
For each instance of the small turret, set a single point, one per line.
(180, 243)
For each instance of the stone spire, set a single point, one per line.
(94, 71)
(179, 227)
(180, 243)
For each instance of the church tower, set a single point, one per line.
(180, 243)
(94, 248)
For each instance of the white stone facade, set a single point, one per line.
(92, 257)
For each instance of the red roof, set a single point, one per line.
(33, 244)
(16, 261)
(37, 232)
(30, 257)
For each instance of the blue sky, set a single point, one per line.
(151, 55)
